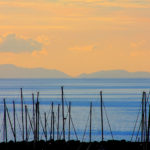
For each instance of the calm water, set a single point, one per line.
(122, 98)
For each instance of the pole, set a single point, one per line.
(33, 107)
(53, 127)
(142, 127)
(22, 115)
(145, 101)
(45, 126)
(38, 123)
(51, 131)
(90, 133)
(5, 123)
(14, 114)
(63, 118)
(58, 122)
(26, 122)
(69, 120)
(37, 117)
(101, 99)
(148, 126)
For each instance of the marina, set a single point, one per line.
(28, 122)
(44, 114)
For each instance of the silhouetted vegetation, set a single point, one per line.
(75, 145)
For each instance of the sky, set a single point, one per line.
(76, 36)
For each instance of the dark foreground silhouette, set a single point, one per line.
(75, 145)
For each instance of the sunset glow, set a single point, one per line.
(76, 36)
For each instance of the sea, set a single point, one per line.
(121, 107)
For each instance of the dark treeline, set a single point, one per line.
(75, 145)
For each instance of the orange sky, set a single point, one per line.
(76, 36)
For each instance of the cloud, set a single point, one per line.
(12, 43)
(138, 44)
(87, 48)
(111, 3)
(140, 54)
(141, 45)
(43, 39)
(39, 53)
(95, 3)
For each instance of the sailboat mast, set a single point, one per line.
(90, 121)
(63, 118)
(22, 115)
(58, 122)
(5, 123)
(14, 115)
(69, 120)
(101, 100)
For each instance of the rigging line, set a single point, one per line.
(2, 126)
(48, 127)
(108, 122)
(71, 119)
(95, 118)
(31, 127)
(30, 121)
(74, 127)
(135, 125)
(64, 124)
(41, 135)
(49, 112)
(136, 121)
(29, 132)
(18, 123)
(51, 124)
(10, 122)
(86, 125)
(42, 125)
(44, 132)
(147, 101)
(138, 130)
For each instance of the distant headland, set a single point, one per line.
(12, 71)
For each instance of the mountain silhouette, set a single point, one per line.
(116, 74)
(12, 71)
